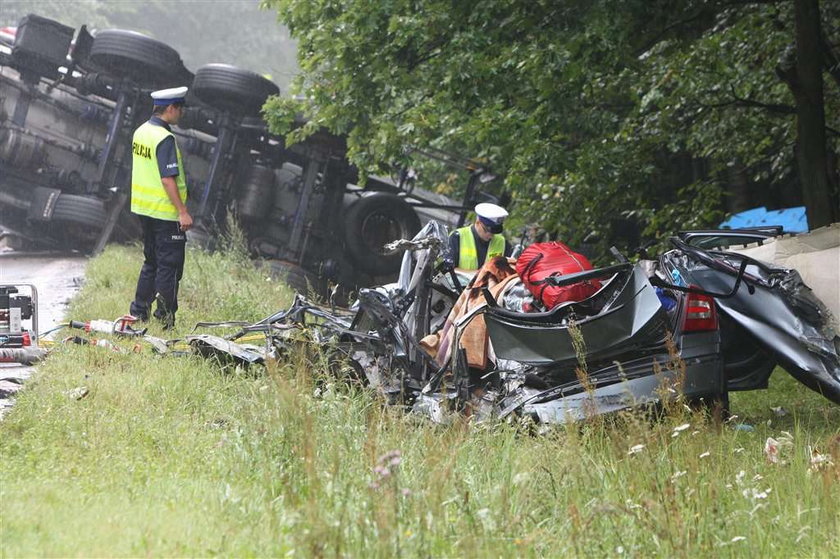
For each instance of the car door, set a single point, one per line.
(773, 318)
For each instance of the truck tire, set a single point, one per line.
(293, 275)
(232, 89)
(289, 178)
(373, 221)
(82, 210)
(133, 55)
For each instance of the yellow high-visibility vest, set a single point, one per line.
(147, 194)
(468, 253)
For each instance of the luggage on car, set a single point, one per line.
(541, 260)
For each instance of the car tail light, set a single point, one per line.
(26, 338)
(700, 313)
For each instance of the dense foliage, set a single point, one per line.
(669, 112)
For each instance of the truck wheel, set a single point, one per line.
(372, 222)
(134, 55)
(295, 277)
(289, 177)
(233, 89)
(82, 210)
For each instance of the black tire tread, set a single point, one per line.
(229, 88)
(83, 210)
(135, 55)
(374, 263)
(293, 275)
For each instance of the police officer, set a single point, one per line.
(158, 197)
(471, 246)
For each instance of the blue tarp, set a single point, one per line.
(793, 220)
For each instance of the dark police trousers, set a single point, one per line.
(163, 248)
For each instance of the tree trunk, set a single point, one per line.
(806, 82)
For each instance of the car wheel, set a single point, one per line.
(232, 89)
(81, 210)
(747, 364)
(135, 56)
(372, 222)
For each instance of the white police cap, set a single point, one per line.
(491, 212)
(170, 96)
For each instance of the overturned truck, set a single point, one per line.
(70, 101)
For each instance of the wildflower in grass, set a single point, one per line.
(635, 449)
(385, 467)
(679, 429)
(738, 450)
(818, 461)
(389, 456)
(736, 539)
(677, 475)
(739, 477)
(706, 454)
(772, 448)
(754, 494)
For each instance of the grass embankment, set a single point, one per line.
(168, 456)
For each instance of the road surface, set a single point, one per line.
(57, 278)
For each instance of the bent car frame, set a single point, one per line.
(693, 324)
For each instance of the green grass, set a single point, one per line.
(172, 457)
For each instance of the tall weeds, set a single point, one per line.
(168, 456)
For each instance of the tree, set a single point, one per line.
(804, 78)
(650, 110)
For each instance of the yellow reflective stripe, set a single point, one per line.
(467, 252)
(147, 191)
(497, 247)
(154, 209)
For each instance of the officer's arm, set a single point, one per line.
(171, 189)
(168, 166)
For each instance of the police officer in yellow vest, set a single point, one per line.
(470, 247)
(158, 197)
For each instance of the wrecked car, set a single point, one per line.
(693, 324)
